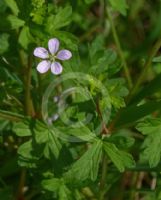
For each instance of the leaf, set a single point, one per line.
(89, 1)
(119, 5)
(121, 159)
(102, 60)
(13, 6)
(131, 114)
(22, 129)
(151, 88)
(61, 19)
(25, 150)
(82, 133)
(52, 146)
(117, 91)
(152, 129)
(157, 59)
(41, 132)
(15, 22)
(122, 139)
(4, 43)
(25, 38)
(87, 166)
(52, 184)
(38, 12)
(58, 186)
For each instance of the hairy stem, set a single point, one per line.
(120, 51)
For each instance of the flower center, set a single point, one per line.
(52, 58)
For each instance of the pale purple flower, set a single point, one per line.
(51, 56)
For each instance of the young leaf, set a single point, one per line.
(61, 19)
(4, 43)
(52, 184)
(121, 159)
(152, 129)
(13, 6)
(57, 186)
(22, 129)
(25, 38)
(87, 166)
(157, 59)
(15, 22)
(119, 5)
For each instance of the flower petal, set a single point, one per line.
(43, 66)
(56, 68)
(41, 52)
(64, 54)
(53, 45)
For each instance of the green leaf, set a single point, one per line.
(41, 132)
(39, 10)
(121, 159)
(157, 59)
(89, 1)
(15, 22)
(64, 193)
(152, 129)
(25, 150)
(61, 19)
(57, 185)
(4, 43)
(52, 146)
(119, 5)
(13, 6)
(117, 91)
(82, 133)
(87, 166)
(122, 139)
(131, 114)
(22, 129)
(25, 38)
(52, 184)
(151, 88)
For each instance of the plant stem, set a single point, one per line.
(29, 110)
(28, 101)
(147, 65)
(120, 51)
(10, 116)
(103, 177)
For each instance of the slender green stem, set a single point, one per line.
(28, 101)
(29, 110)
(147, 65)
(103, 177)
(120, 51)
(10, 116)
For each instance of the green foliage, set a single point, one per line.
(121, 159)
(79, 138)
(119, 5)
(25, 37)
(151, 128)
(13, 6)
(4, 43)
(15, 22)
(87, 166)
(61, 19)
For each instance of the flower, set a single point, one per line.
(50, 57)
